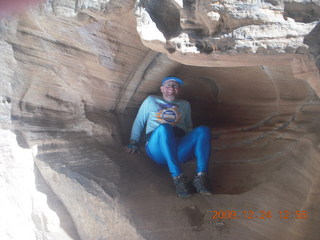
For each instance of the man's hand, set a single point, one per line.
(132, 148)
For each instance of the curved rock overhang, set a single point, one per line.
(72, 87)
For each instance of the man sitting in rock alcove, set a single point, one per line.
(170, 138)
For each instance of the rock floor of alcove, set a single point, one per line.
(144, 189)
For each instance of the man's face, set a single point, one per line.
(170, 90)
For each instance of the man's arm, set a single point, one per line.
(138, 126)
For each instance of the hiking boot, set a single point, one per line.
(181, 184)
(201, 183)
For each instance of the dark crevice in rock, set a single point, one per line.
(202, 45)
(166, 16)
(305, 12)
(274, 2)
(312, 40)
(21, 140)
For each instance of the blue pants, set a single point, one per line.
(164, 148)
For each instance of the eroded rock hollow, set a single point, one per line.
(73, 75)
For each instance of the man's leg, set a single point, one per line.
(162, 148)
(197, 144)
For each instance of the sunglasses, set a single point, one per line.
(171, 85)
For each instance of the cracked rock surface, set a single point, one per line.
(195, 26)
(73, 75)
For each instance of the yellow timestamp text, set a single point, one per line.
(260, 214)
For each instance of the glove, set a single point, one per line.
(132, 147)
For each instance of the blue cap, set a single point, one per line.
(178, 80)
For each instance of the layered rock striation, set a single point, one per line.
(73, 75)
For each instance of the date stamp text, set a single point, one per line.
(260, 214)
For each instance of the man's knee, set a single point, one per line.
(165, 127)
(203, 130)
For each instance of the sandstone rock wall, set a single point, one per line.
(73, 74)
(60, 86)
